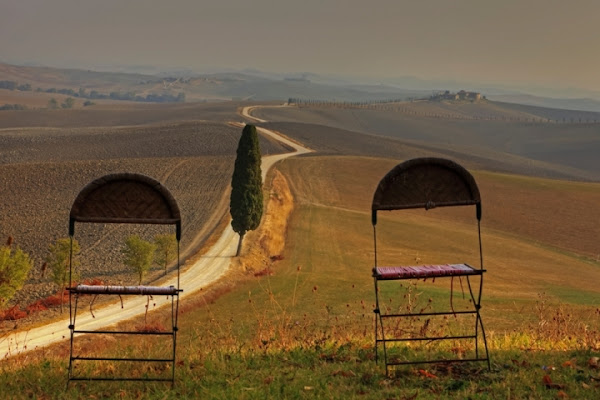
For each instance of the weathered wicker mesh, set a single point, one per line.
(425, 183)
(125, 198)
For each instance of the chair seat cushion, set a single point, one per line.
(110, 289)
(424, 271)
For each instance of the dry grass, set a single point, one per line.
(33, 99)
(119, 114)
(265, 245)
(555, 213)
(521, 263)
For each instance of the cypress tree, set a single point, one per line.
(246, 202)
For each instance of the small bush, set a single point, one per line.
(56, 299)
(264, 272)
(151, 328)
(36, 306)
(14, 313)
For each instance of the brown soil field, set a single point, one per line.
(561, 150)
(334, 141)
(33, 99)
(559, 214)
(46, 77)
(43, 169)
(538, 235)
(114, 115)
(555, 114)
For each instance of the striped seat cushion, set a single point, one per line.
(109, 289)
(423, 271)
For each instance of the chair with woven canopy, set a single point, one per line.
(426, 183)
(124, 198)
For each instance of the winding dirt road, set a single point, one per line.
(207, 269)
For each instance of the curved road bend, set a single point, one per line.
(210, 267)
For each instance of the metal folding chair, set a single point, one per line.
(426, 183)
(123, 199)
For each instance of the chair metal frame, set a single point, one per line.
(124, 199)
(427, 183)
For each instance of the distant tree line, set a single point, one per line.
(68, 103)
(131, 96)
(94, 94)
(298, 101)
(13, 107)
(12, 85)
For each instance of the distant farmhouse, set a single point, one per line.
(462, 95)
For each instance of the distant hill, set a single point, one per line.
(499, 137)
(581, 104)
(245, 85)
(196, 87)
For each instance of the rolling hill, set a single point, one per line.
(196, 87)
(43, 168)
(307, 311)
(508, 139)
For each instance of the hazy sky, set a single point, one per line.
(552, 43)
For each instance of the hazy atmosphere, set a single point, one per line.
(243, 199)
(533, 43)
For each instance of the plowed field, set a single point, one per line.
(42, 169)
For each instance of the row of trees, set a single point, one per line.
(363, 103)
(13, 107)
(68, 103)
(94, 94)
(138, 255)
(12, 85)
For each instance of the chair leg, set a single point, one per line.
(376, 335)
(376, 312)
(73, 317)
(479, 332)
(479, 322)
(379, 329)
(487, 354)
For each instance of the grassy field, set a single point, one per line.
(304, 328)
(540, 255)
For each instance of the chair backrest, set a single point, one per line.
(125, 198)
(426, 183)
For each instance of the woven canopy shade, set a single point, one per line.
(125, 198)
(426, 183)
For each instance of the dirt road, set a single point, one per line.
(209, 267)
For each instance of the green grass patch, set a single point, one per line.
(570, 295)
(333, 370)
